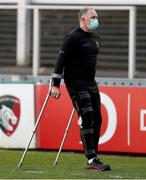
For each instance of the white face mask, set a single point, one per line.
(93, 24)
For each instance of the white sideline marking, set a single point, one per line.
(117, 177)
(36, 172)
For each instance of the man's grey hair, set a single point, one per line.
(83, 12)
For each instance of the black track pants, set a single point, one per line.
(86, 100)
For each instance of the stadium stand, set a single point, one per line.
(113, 31)
(8, 37)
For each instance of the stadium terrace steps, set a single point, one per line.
(56, 23)
(8, 37)
(113, 31)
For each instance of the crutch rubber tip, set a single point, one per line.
(55, 163)
(19, 165)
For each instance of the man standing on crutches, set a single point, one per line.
(77, 59)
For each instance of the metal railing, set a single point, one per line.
(21, 44)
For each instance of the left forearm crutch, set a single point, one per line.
(36, 125)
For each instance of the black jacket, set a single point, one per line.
(77, 56)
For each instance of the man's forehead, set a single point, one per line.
(92, 13)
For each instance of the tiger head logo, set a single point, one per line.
(9, 114)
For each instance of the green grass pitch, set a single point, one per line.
(38, 165)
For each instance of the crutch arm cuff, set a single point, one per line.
(56, 79)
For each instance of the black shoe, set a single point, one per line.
(97, 165)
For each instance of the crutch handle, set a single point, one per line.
(50, 86)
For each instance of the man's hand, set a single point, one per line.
(55, 92)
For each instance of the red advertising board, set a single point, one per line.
(124, 120)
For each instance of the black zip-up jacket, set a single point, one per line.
(77, 56)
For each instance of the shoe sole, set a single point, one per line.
(104, 169)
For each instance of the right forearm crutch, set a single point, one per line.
(64, 137)
(36, 125)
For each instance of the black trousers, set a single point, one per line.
(86, 100)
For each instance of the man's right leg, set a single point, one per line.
(82, 102)
(83, 105)
(87, 125)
